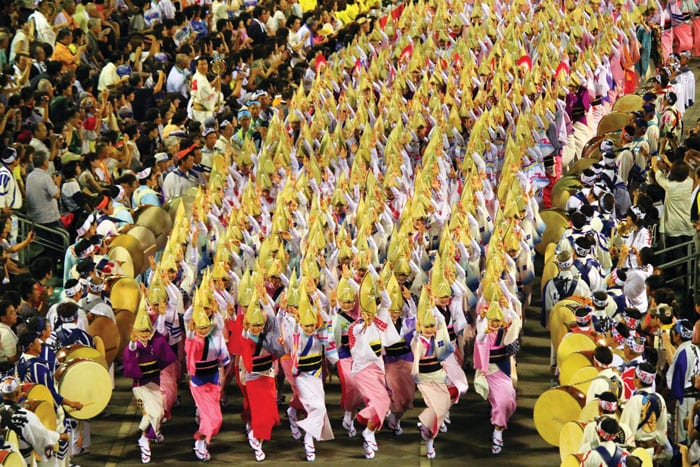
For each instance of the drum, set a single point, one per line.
(67, 354)
(573, 342)
(563, 189)
(583, 378)
(146, 239)
(556, 222)
(589, 411)
(10, 439)
(125, 321)
(72, 377)
(11, 458)
(561, 314)
(550, 269)
(572, 460)
(125, 295)
(108, 332)
(43, 410)
(121, 256)
(644, 455)
(628, 103)
(570, 366)
(554, 408)
(37, 392)
(158, 221)
(570, 438)
(614, 121)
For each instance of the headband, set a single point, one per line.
(96, 288)
(607, 406)
(604, 435)
(684, 332)
(73, 291)
(637, 347)
(9, 385)
(645, 376)
(82, 230)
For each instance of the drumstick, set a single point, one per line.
(70, 409)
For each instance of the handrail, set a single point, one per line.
(25, 225)
(689, 261)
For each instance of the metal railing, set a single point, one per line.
(26, 225)
(688, 258)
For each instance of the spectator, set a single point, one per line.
(43, 192)
(8, 338)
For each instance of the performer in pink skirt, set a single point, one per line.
(366, 338)
(206, 357)
(344, 316)
(398, 359)
(492, 360)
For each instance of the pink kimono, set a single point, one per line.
(491, 357)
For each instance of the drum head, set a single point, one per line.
(37, 392)
(106, 330)
(570, 438)
(72, 377)
(644, 455)
(573, 342)
(583, 377)
(550, 269)
(85, 353)
(125, 295)
(158, 221)
(123, 258)
(554, 408)
(561, 314)
(11, 458)
(570, 366)
(556, 222)
(44, 411)
(572, 460)
(614, 121)
(589, 411)
(628, 103)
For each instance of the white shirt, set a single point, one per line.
(8, 343)
(108, 76)
(177, 81)
(42, 29)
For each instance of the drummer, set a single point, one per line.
(32, 369)
(608, 378)
(93, 303)
(607, 453)
(33, 436)
(73, 291)
(607, 407)
(68, 332)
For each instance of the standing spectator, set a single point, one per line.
(8, 338)
(256, 29)
(43, 192)
(678, 227)
(10, 194)
(39, 26)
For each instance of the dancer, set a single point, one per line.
(146, 355)
(366, 337)
(492, 360)
(345, 314)
(430, 347)
(206, 357)
(307, 346)
(259, 349)
(398, 359)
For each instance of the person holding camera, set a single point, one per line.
(43, 192)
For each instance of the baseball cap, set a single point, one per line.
(161, 157)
